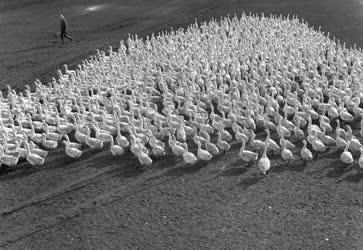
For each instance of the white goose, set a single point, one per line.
(180, 132)
(247, 155)
(346, 157)
(325, 125)
(211, 147)
(256, 144)
(158, 147)
(264, 163)
(26, 131)
(312, 128)
(101, 135)
(120, 139)
(33, 158)
(175, 148)
(49, 144)
(221, 144)
(93, 143)
(340, 142)
(143, 158)
(282, 130)
(342, 132)
(35, 149)
(203, 154)
(51, 135)
(19, 150)
(7, 159)
(354, 143)
(36, 137)
(72, 152)
(286, 154)
(72, 144)
(289, 144)
(272, 144)
(239, 135)
(116, 149)
(333, 112)
(327, 139)
(360, 161)
(306, 154)
(34, 124)
(64, 128)
(226, 136)
(136, 144)
(79, 135)
(298, 132)
(344, 114)
(197, 138)
(317, 144)
(189, 157)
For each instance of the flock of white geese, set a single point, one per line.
(211, 84)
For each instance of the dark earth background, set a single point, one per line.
(101, 201)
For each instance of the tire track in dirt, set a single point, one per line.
(127, 190)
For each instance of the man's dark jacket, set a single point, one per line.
(63, 26)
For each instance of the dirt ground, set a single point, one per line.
(101, 201)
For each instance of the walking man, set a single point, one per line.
(63, 29)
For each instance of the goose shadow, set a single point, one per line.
(332, 153)
(129, 172)
(54, 160)
(186, 169)
(234, 168)
(165, 161)
(297, 165)
(337, 169)
(90, 158)
(21, 170)
(234, 171)
(249, 181)
(355, 178)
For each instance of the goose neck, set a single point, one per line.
(265, 149)
(243, 147)
(304, 144)
(347, 146)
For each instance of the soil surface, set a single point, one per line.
(101, 201)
